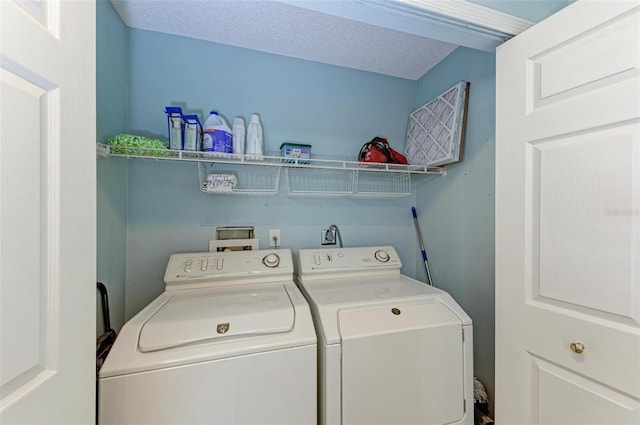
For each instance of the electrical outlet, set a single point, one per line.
(274, 238)
(328, 237)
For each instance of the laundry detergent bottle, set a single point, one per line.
(239, 133)
(255, 142)
(216, 135)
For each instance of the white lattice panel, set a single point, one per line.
(435, 133)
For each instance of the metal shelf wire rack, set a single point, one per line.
(313, 177)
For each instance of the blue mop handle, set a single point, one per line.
(415, 217)
(424, 253)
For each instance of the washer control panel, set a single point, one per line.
(314, 261)
(213, 267)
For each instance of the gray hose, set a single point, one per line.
(334, 227)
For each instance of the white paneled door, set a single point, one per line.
(568, 219)
(48, 212)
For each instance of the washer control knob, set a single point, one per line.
(381, 256)
(271, 260)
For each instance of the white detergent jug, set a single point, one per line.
(216, 135)
(238, 135)
(255, 141)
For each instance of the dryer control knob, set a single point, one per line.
(381, 256)
(271, 260)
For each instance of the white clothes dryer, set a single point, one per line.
(392, 350)
(230, 341)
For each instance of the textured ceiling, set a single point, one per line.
(285, 29)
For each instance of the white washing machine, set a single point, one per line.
(392, 350)
(230, 341)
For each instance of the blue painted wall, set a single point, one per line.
(531, 10)
(457, 211)
(112, 85)
(332, 108)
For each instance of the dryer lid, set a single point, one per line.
(199, 316)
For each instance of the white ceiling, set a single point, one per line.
(365, 34)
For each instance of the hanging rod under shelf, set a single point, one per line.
(106, 151)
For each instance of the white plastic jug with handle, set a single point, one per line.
(216, 135)
(255, 141)
(238, 135)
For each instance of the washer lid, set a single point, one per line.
(330, 296)
(221, 314)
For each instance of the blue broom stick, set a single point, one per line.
(424, 253)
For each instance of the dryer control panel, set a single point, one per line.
(348, 261)
(202, 269)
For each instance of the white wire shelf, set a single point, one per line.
(357, 183)
(382, 185)
(232, 179)
(320, 182)
(265, 161)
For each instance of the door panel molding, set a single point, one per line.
(47, 221)
(568, 218)
(575, 221)
(585, 62)
(554, 382)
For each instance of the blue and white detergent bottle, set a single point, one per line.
(216, 136)
(192, 133)
(175, 125)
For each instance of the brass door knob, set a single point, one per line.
(577, 347)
